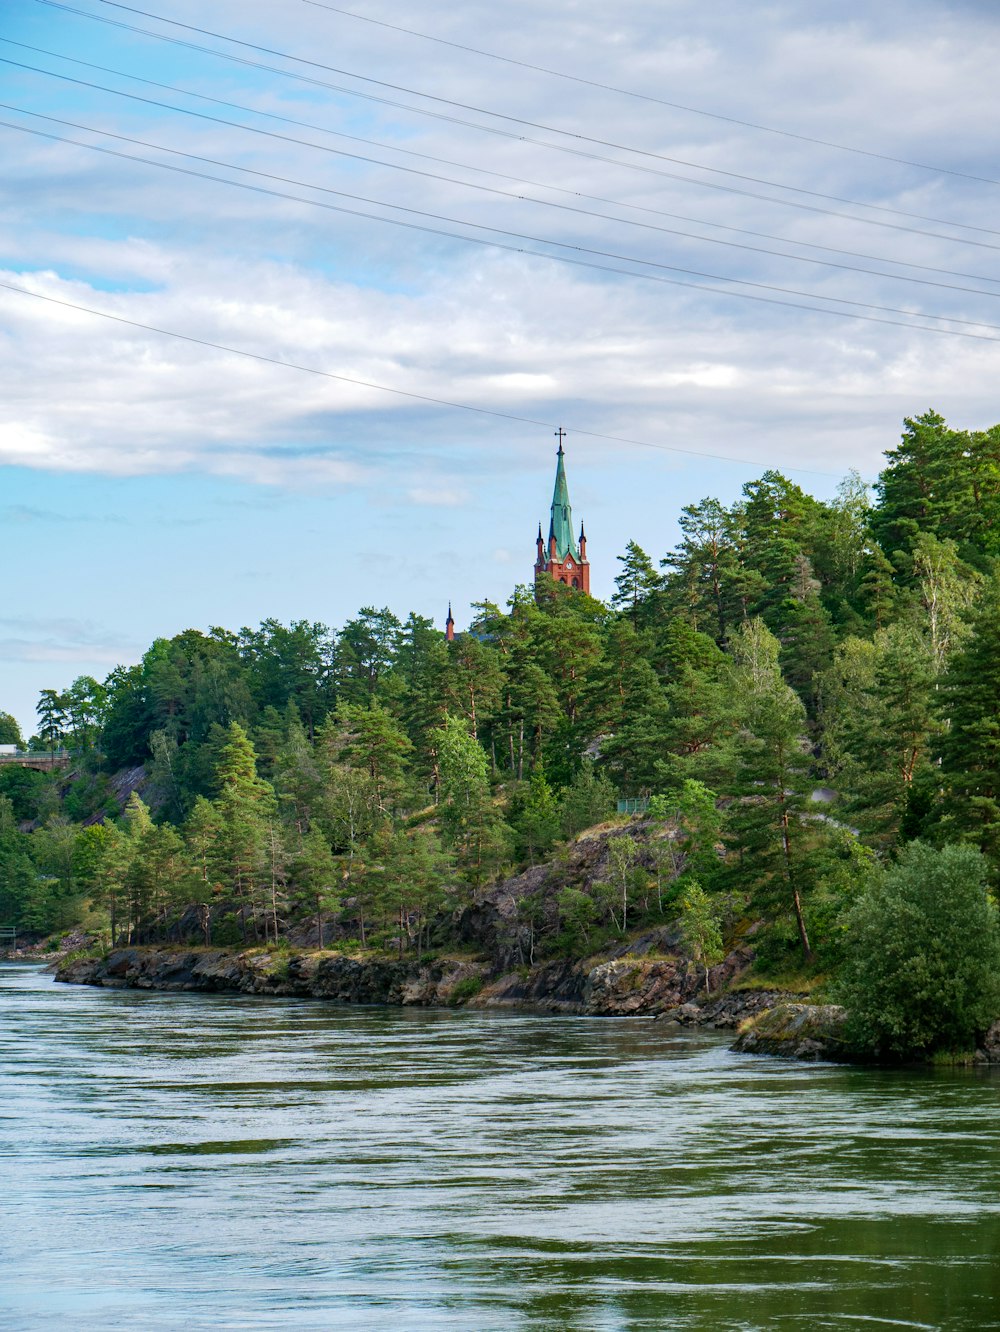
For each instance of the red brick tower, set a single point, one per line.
(561, 557)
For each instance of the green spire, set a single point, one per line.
(561, 525)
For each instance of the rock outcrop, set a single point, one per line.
(797, 1031)
(621, 986)
(335, 976)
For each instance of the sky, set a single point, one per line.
(705, 239)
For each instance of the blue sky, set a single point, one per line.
(148, 484)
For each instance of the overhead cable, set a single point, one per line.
(396, 392)
(508, 134)
(483, 241)
(472, 185)
(496, 175)
(657, 101)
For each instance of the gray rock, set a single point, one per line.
(796, 1031)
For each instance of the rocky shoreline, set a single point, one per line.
(616, 987)
(768, 1022)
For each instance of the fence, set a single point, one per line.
(635, 805)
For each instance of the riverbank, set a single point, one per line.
(661, 987)
(768, 1021)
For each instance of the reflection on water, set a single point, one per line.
(197, 1162)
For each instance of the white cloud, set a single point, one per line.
(438, 496)
(518, 335)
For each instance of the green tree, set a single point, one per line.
(701, 926)
(246, 807)
(623, 855)
(589, 798)
(469, 815)
(772, 779)
(577, 913)
(969, 702)
(923, 959)
(637, 584)
(937, 482)
(23, 896)
(85, 702)
(946, 588)
(693, 833)
(534, 816)
(316, 879)
(52, 719)
(880, 725)
(370, 740)
(364, 654)
(10, 732)
(290, 664)
(709, 584)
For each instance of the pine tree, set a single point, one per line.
(246, 805)
(969, 701)
(52, 719)
(315, 879)
(772, 780)
(636, 586)
(880, 725)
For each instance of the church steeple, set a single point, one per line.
(562, 557)
(561, 521)
(449, 626)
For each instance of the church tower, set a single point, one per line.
(561, 557)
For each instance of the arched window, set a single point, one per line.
(576, 582)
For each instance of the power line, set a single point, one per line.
(472, 185)
(493, 244)
(382, 388)
(500, 175)
(496, 131)
(658, 101)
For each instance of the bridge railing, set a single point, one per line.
(8, 935)
(27, 758)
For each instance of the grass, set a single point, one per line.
(794, 982)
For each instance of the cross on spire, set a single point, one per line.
(560, 435)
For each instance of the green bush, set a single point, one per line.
(467, 988)
(226, 932)
(923, 955)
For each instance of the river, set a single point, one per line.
(200, 1162)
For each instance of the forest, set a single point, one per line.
(801, 699)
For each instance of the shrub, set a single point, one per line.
(467, 988)
(923, 968)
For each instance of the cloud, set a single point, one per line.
(502, 330)
(29, 513)
(438, 496)
(58, 639)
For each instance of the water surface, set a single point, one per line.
(203, 1162)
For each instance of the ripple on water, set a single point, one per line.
(188, 1161)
